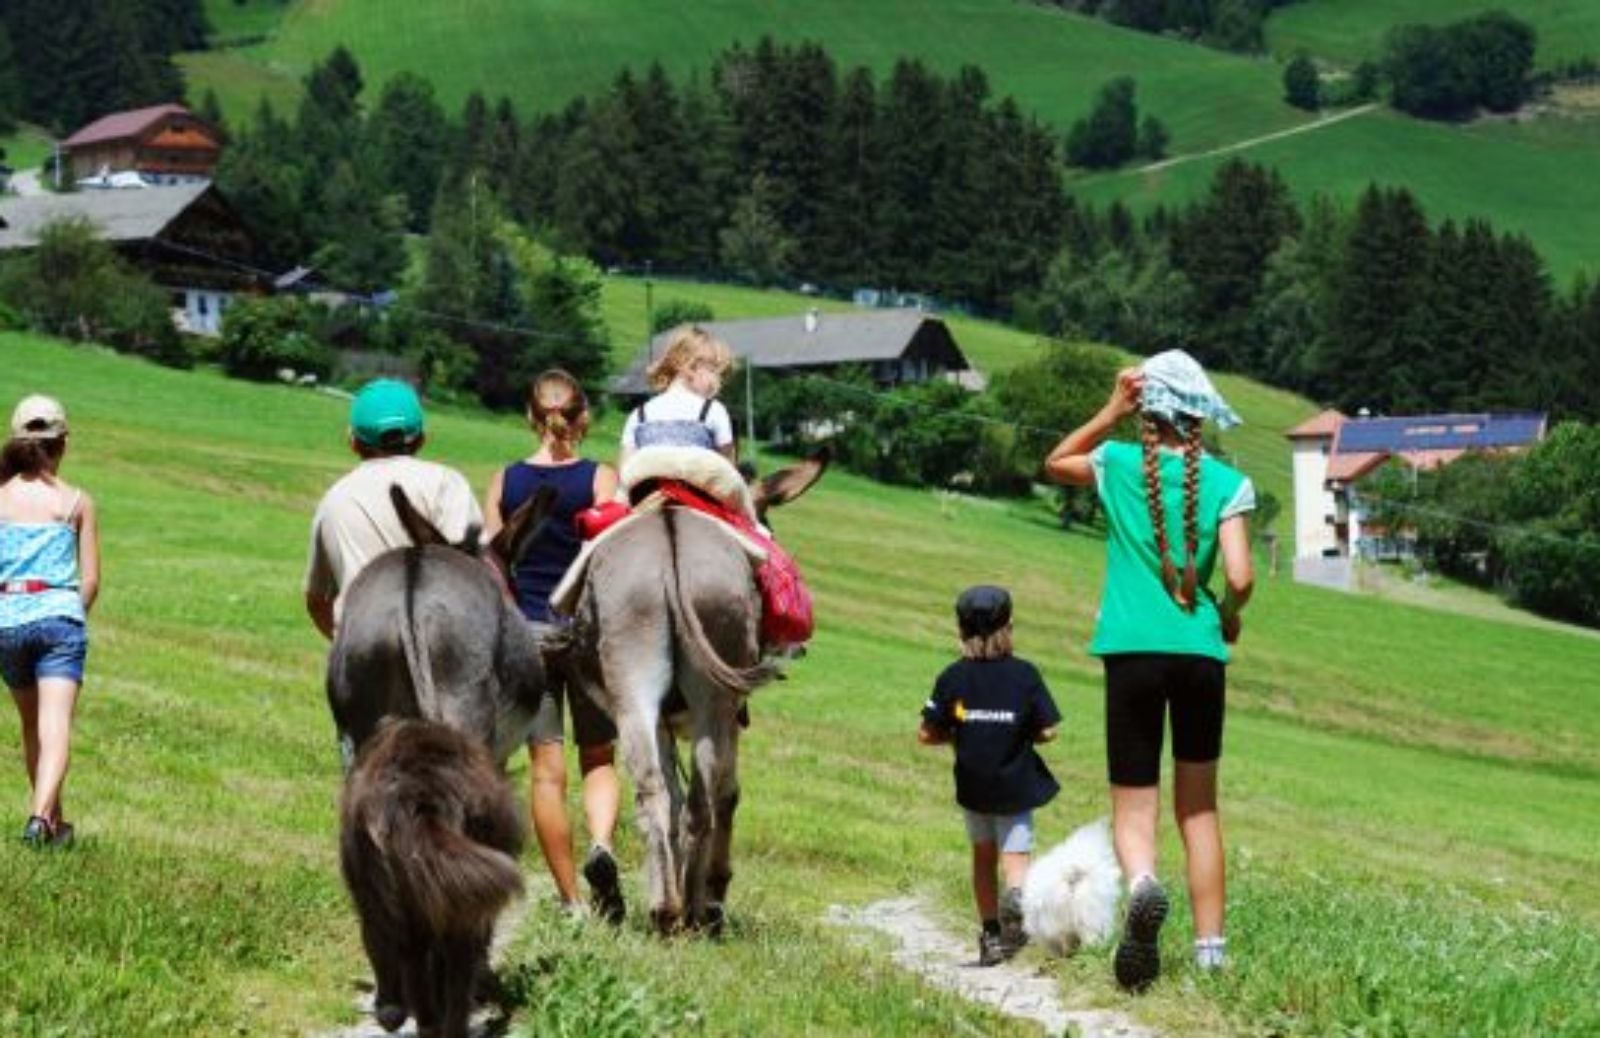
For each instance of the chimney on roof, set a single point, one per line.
(812, 318)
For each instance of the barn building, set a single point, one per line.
(895, 346)
(163, 144)
(187, 239)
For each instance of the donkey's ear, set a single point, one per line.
(417, 527)
(524, 527)
(787, 484)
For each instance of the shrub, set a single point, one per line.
(674, 312)
(262, 336)
(75, 286)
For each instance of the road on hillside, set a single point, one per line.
(1318, 124)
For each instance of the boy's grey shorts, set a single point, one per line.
(1013, 833)
(590, 725)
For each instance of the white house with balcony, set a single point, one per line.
(1331, 454)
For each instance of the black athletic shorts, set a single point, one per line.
(1141, 689)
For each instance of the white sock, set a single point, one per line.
(1210, 952)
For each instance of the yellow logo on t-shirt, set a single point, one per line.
(960, 712)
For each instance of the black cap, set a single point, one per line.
(982, 610)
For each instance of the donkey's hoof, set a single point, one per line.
(715, 919)
(666, 921)
(390, 1017)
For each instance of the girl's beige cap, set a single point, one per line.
(39, 418)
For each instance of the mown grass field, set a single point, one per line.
(1409, 794)
(1350, 31)
(26, 148)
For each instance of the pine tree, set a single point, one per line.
(362, 231)
(1379, 299)
(1108, 136)
(908, 126)
(848, 233)
(410, 140)
(1222, 246)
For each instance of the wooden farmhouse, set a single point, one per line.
(896, 346)
(187, 239)
(163, 144)
(1331, 455)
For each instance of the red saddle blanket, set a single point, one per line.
(786, 613)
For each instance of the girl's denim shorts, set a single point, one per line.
(54, 647)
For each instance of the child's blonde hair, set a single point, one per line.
(690, 345)
(558, 407)
(992, 646)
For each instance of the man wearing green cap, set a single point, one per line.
(356, 521)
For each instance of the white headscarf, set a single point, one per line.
(1175, 384)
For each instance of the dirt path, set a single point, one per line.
(949, 962)
(1320, 124)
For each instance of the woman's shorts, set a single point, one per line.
(1013, 833)
(590, 725)
(54, 647)
(1142, 688)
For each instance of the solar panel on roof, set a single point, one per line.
(1439, 432)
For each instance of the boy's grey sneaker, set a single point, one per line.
(1138, 958)
(1012, 936)
(991, 950)
(605, 888)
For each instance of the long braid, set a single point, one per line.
(1150, 436)
(1191, 512)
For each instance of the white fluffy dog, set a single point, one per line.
(1069, 897)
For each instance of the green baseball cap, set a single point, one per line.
(385, 410)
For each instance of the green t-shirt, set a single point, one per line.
(1136, 612)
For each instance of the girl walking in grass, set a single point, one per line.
(1171, 509)
(49, 577)
(558, 414)
(995, 707)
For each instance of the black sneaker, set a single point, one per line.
(37, 832)
(605, 890)
(991, 951)
(1138, 959)
(1013, 938)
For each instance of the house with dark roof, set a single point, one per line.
(1332, 454)
(187, 239)
(162, 144)
(896, 346)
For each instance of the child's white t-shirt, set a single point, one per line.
(678, 404)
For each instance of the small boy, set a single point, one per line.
(994, 707)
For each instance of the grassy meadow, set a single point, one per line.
(1410, 794)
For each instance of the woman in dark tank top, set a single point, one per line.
(558, 414)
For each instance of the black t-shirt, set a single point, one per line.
(993, 709)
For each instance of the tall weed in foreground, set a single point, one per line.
(1315, 955)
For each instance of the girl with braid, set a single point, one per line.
(1162, 635)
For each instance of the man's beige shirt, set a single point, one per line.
(356, 521)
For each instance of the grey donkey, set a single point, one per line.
(431, 632)
(666, 639)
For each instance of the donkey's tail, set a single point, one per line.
(691, 634)
(430, 829)
(415, 646)
(457, 884)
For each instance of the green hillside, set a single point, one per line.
(1520, 176)
(1350, 31)
(545, 52)
(1525, 177)
(1409, 793)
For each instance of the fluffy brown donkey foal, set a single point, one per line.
(428, 845)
